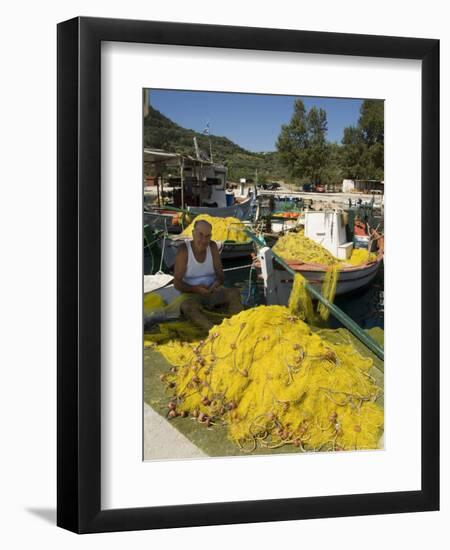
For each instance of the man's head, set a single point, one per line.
(201, 234)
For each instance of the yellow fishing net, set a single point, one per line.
(361, 256)
(272, 382)
(152, 302)
(328, 290)
(300, 302)
(295, 246)
(173, 330)
(166, 322)
(223, 229)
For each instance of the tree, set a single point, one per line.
(332, 173)
(302, 144)
(318, 150)
(292, 142)
(371, 121)
(352, 153)
(362, 154)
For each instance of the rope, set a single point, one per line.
(238, 267)
(252, 267)
(149, 245)
(163, 248)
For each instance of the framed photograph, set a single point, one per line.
(248, 275)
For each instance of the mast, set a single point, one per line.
(197, 152)
(210, 147)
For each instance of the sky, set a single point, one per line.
(250, 120)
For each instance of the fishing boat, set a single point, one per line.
(327, 229)
(350, 279)
(183, 184)
(160, 284)
(165, 219)
(160, 248)
(281, 221)
(229, 250)
(240, 210)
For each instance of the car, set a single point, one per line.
(269, 186)
(319, 188)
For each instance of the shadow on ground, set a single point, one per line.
(47, 514)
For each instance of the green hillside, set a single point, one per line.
(162, 133)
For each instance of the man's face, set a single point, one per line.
(202, 236)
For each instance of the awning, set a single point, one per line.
(159, 155)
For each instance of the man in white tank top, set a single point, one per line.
(198, 271)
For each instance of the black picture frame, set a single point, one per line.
(79, 275)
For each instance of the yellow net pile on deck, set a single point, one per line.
(273, 382)
(295, 246)
(223, 229)
(360, 256)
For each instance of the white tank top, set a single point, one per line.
(199, 273)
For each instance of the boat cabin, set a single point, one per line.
(184, 180)
(327, 228)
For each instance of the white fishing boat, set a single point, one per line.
(284, 221)
(278, 282)
(162, 285)
(327, 229)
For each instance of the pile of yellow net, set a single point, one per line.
(360, 256)
(223, 229)
(272, 382)
(295, 246)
